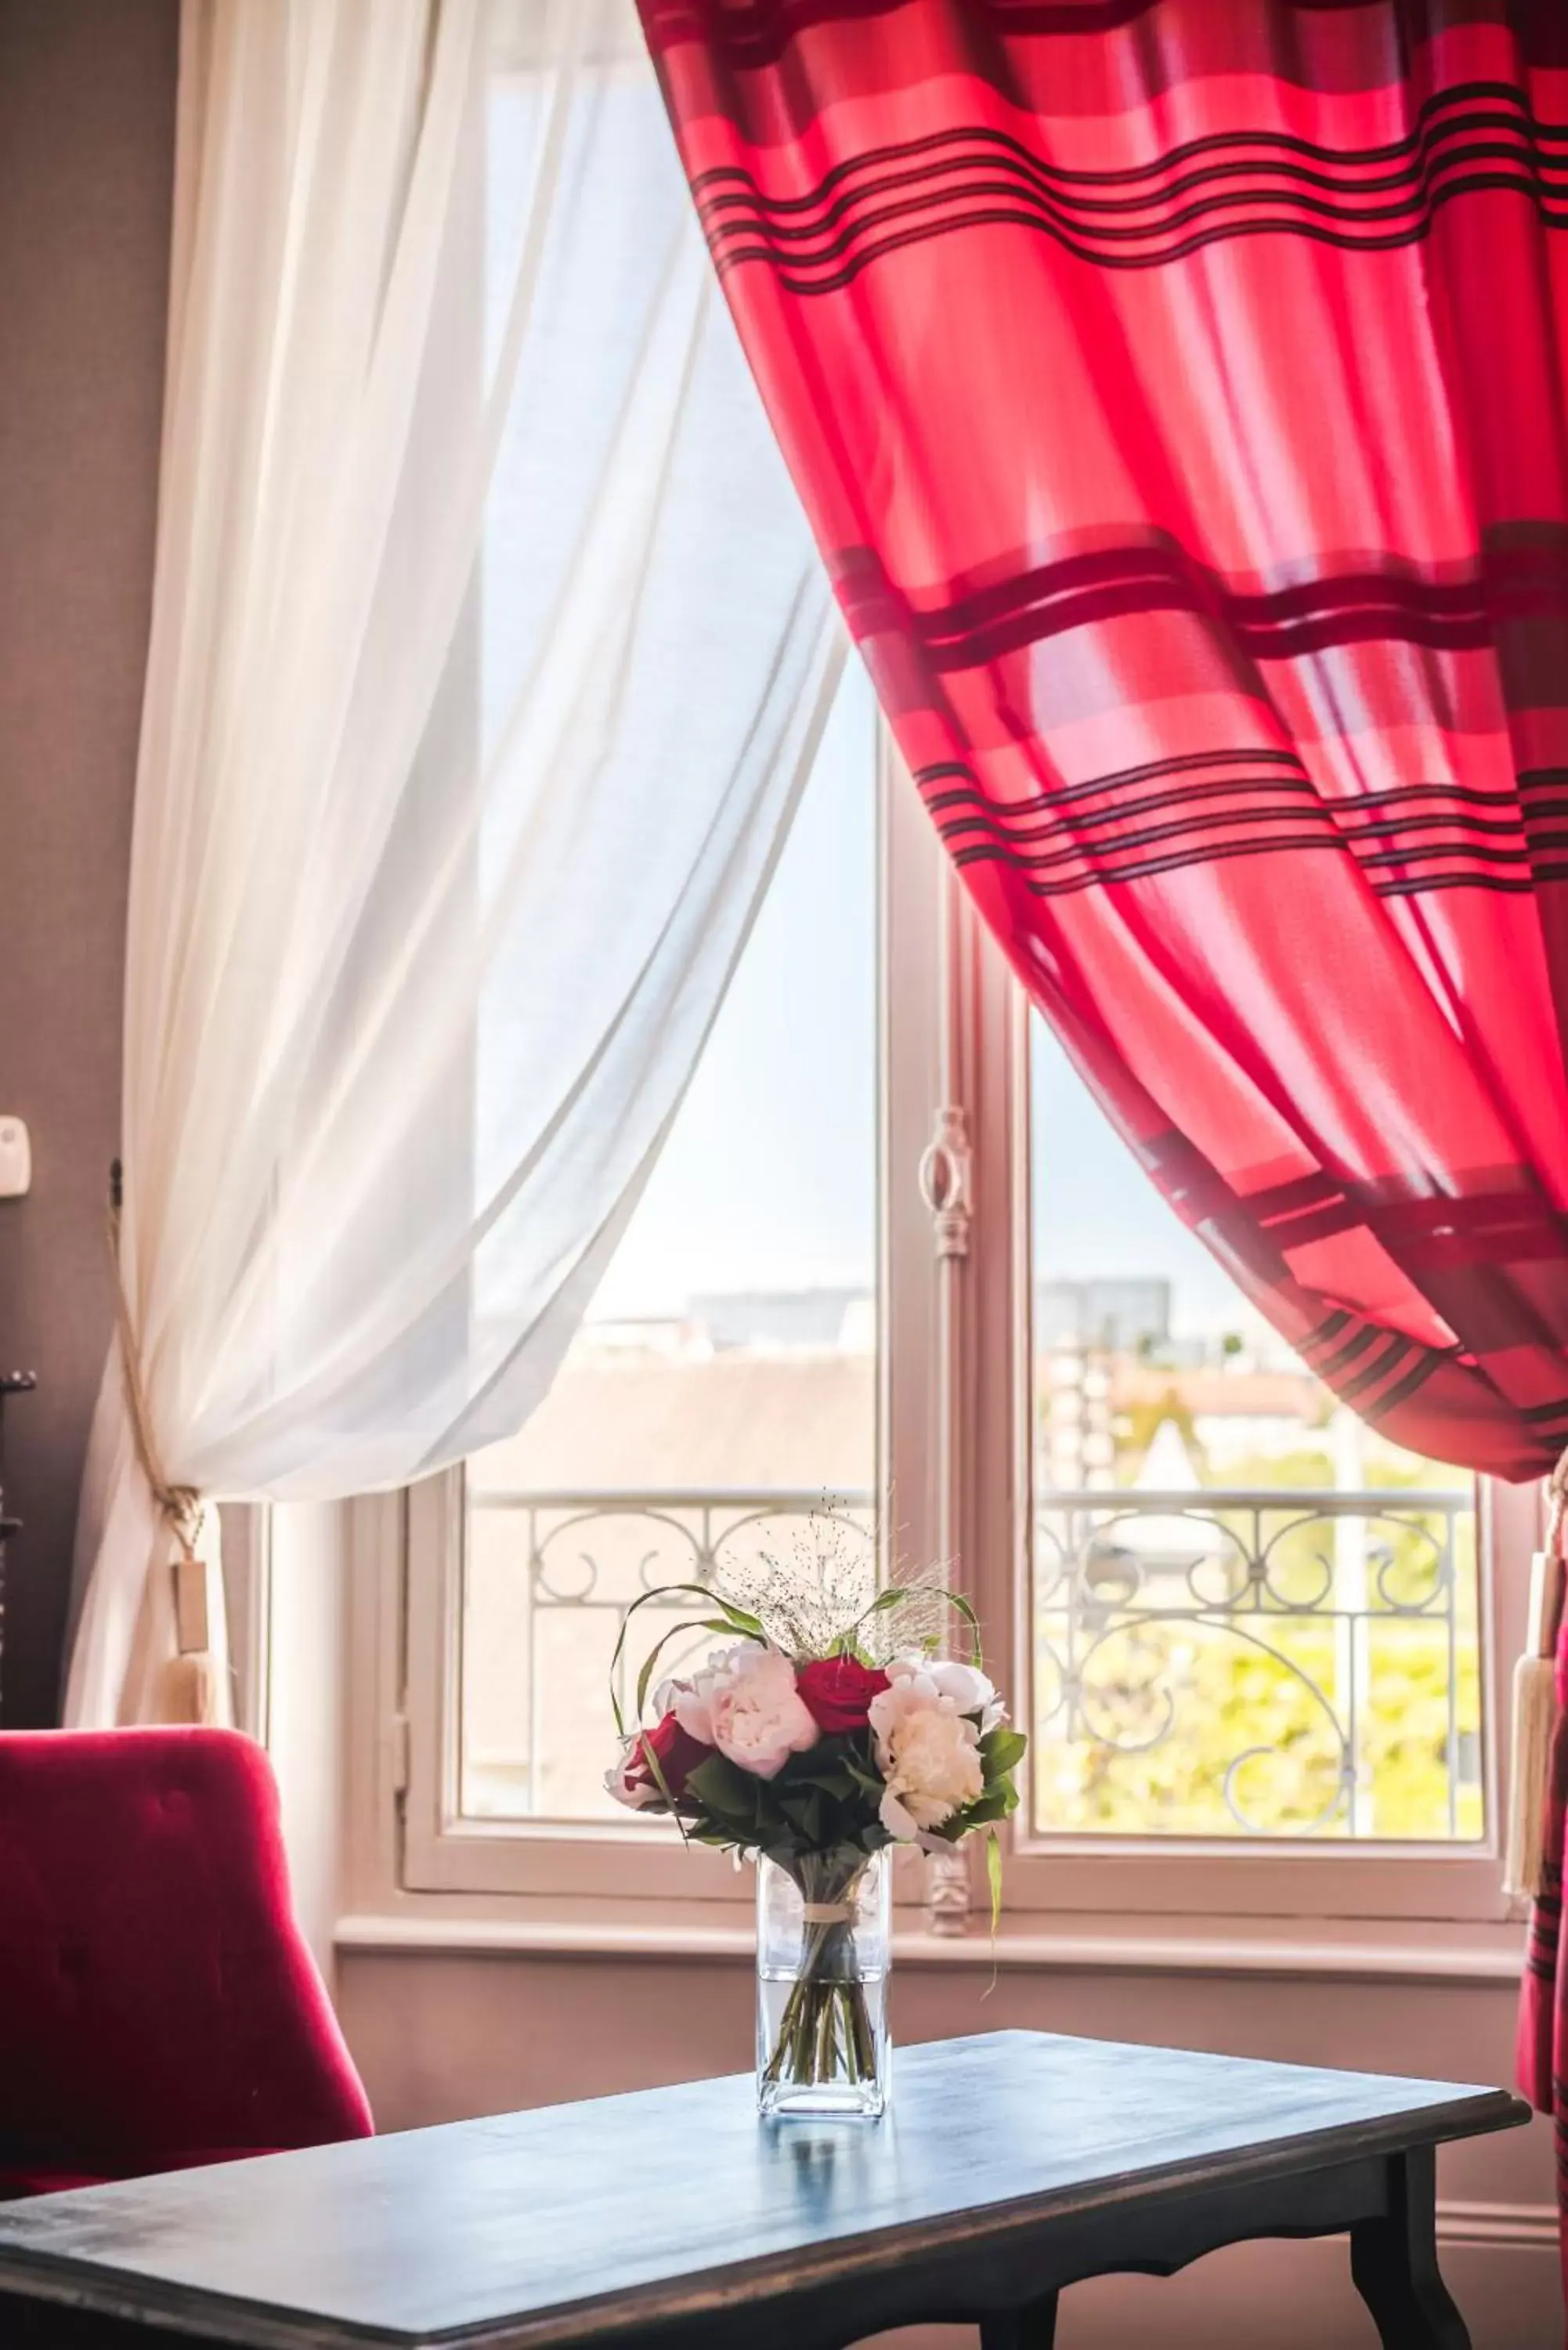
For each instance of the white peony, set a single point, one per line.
(745, 1701)
(928, 1750)
(967, 1685)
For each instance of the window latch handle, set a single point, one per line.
(944, 1172)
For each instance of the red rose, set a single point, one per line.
(838, 1692)
(676, 1752)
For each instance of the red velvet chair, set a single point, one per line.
(158, 2007)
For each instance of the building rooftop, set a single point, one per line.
(800, 1419)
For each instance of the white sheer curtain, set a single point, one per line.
(489, 652)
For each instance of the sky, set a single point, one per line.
(768, 1181)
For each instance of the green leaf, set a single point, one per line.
(739, 1620)
(735, 1620)
(1002, 1750)
(993, 1877)
(992, 1806)
(731, 1798)
(664, 1591)
(827, 1750)
(957, 1600)
(727, 1835)
(829, 1765)
(895, 1592)
(805, 1809)
(720, 1785)
(676, 1632)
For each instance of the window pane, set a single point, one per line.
(724, 1381)
(1252, 1615)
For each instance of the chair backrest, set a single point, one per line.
(158, 2002)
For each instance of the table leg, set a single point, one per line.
(1033, 2328)
(1393, 2261)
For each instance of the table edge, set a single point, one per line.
(250, 2324)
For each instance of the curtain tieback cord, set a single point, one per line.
(186, 1688)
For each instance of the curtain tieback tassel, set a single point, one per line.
(1535, 1709)
(186, 1686)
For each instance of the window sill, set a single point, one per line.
(1341, 1950)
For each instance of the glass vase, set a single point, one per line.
(823, 1955)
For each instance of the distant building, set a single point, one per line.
(652, 1423)
(1077, 1431)
(769, 1321)
(1112, 1315)
(646, 1334)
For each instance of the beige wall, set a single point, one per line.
(438, 2037)
(87, 128)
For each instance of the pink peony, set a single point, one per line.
(746, 1704)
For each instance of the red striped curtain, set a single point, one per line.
(1177, 392)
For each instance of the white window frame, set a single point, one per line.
(955, 1471)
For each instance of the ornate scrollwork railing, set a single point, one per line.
(1269, 1662)
(598, 1554)
(1224, 1660)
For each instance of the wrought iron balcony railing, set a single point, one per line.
(598, 1554)
(1260, 1661)
(1274, 1662)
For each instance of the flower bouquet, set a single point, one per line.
(828, 1729)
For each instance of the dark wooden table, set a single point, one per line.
(1008, 2166)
